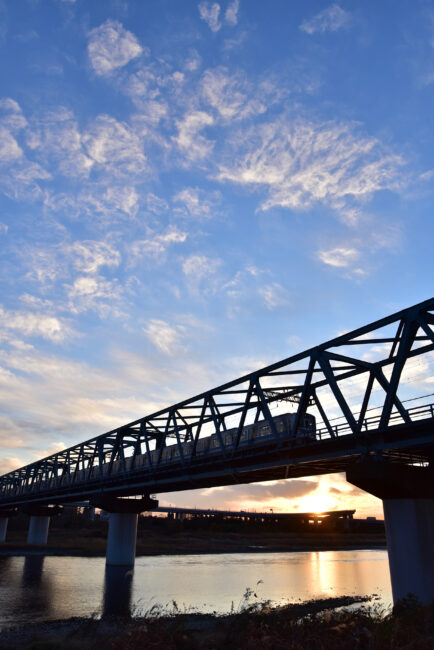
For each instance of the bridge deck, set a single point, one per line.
(269, 462)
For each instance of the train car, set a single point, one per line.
(251, 435)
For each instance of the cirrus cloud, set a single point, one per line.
(111, 46)
(329, 20)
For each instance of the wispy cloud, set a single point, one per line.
(200, 266)
(231, 95)
(57, 139)
(339, 257)
(210, 12)
(19, 176)
(190, 141)
(95, 293)
(302, 162)
(115, 146)
(111, 47)
(231, 14)
(165, 337)
(90, 256)
(9, 148)
(197, 203)
(156, 245)
(34, 324)
(274, 295)
(331, 19)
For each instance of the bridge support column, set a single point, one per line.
(122, 532)
(39, 523)
(3, 528)
(121, 541)
(407, 493)
(38, 530)
(4, 519)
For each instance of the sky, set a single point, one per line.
(192, 190)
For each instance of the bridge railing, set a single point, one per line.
(415, 413)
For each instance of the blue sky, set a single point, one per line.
(191, 190)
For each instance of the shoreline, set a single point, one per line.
(74, 552)
(339, 622)
(165, 627)
(89, 542)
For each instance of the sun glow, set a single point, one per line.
(317, 503)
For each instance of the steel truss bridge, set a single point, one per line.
(361, 387)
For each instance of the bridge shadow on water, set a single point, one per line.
(118, 587)
(32, 570)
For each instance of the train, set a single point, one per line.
(252, 435)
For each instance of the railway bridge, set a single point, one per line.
(358, 404)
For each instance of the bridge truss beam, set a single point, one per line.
(370, 361)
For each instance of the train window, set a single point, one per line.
(280, 426)
(228, 439)
(265, 430)
(216, 442)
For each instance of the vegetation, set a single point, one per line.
(340, 623)
(77, 535)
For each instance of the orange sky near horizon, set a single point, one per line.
(310, 494)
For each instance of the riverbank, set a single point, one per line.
(86, 543)
(321, 624)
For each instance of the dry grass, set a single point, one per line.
(315, 625)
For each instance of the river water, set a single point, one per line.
(37, 588)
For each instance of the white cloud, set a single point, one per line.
(115, 147)
(34, 324)
(96, 202)
(71, 401)
(156, 204)
(90, 256)
(23, 180)
(143, 83)
(3, 228)
(93, 292)
(231, 14)
(43, 264)
(427, 176)
(194, 145)
(111, 47)
(11, 115)
(230, 95)
(302, 162)
(9, 147)
(9, 464)
(194, 61)
(196, 202)
(19, 177)
(200, 266)
(210, 12)
(58, 139)
(165, 337)
(339, 257)
(157, 245)
(274, 295)
(329, 20)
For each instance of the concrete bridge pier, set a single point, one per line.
(4, 519)
(39, 523)
(122, 532)
(38, 530)
(407, 493)
(3, 528)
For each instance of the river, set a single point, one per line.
(37, 588)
